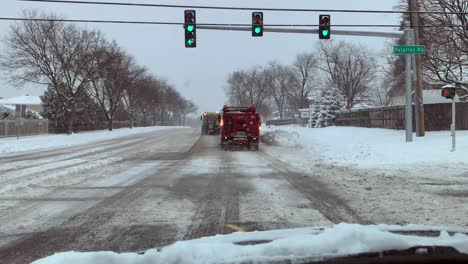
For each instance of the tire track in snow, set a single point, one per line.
(219, 204)
(43, 157)
(329, 204)
(115, 153)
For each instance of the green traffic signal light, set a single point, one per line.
(190, 28)
(258, 30)
(190, 42)
(325, 32)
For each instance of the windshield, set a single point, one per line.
(128, 126)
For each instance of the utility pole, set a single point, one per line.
(452, 126)
(414, 84)
(419, 101)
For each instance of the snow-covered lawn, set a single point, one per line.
(30, 143)
(277, 245)
(377, 148)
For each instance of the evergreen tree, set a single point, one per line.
(55, 110)
(326, 106)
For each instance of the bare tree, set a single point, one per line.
(351, 69)
(378, 94)
(133, 95)
(250, 87)
(281, 81)
(447, 50)
(188, 108)
(303, 79)
(153, 103)
(237, 87)
(174, 103)
(52, 53)
(116, 74)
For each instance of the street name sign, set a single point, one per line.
(404, 50)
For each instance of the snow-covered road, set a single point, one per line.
(41, 189)
(148, 190)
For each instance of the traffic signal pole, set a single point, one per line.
(408, 90)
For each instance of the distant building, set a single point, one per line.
(304, 113)
(429, 97)
(32, 104)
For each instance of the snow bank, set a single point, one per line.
(371, 147)
(30, 143)
(292, 244)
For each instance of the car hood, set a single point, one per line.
(279, 245)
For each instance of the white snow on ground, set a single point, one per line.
(30, 143)
(376, 147)
(305, 243)
(381, 177)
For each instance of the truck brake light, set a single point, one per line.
(221, 123)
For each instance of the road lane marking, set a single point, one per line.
(236, 228)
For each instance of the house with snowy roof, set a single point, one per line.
(429, 97)
(24, 104)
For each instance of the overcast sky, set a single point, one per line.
(200, 74)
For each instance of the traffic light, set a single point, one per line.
(324, 27)
(190, 27)
(448, 92)
(257, 24)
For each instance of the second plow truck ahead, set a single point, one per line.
(210, 123)
(240, 127)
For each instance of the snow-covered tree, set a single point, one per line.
(324, 107)
(6, 113)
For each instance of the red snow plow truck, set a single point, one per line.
(240, 127)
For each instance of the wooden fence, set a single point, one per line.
(78, 127)
(8, 128)
(284, 122)
(437, 117)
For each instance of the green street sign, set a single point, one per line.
(404, 50)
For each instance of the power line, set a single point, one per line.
(209, 24)
(245, 8)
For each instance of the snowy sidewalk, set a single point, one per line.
(32, 143)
